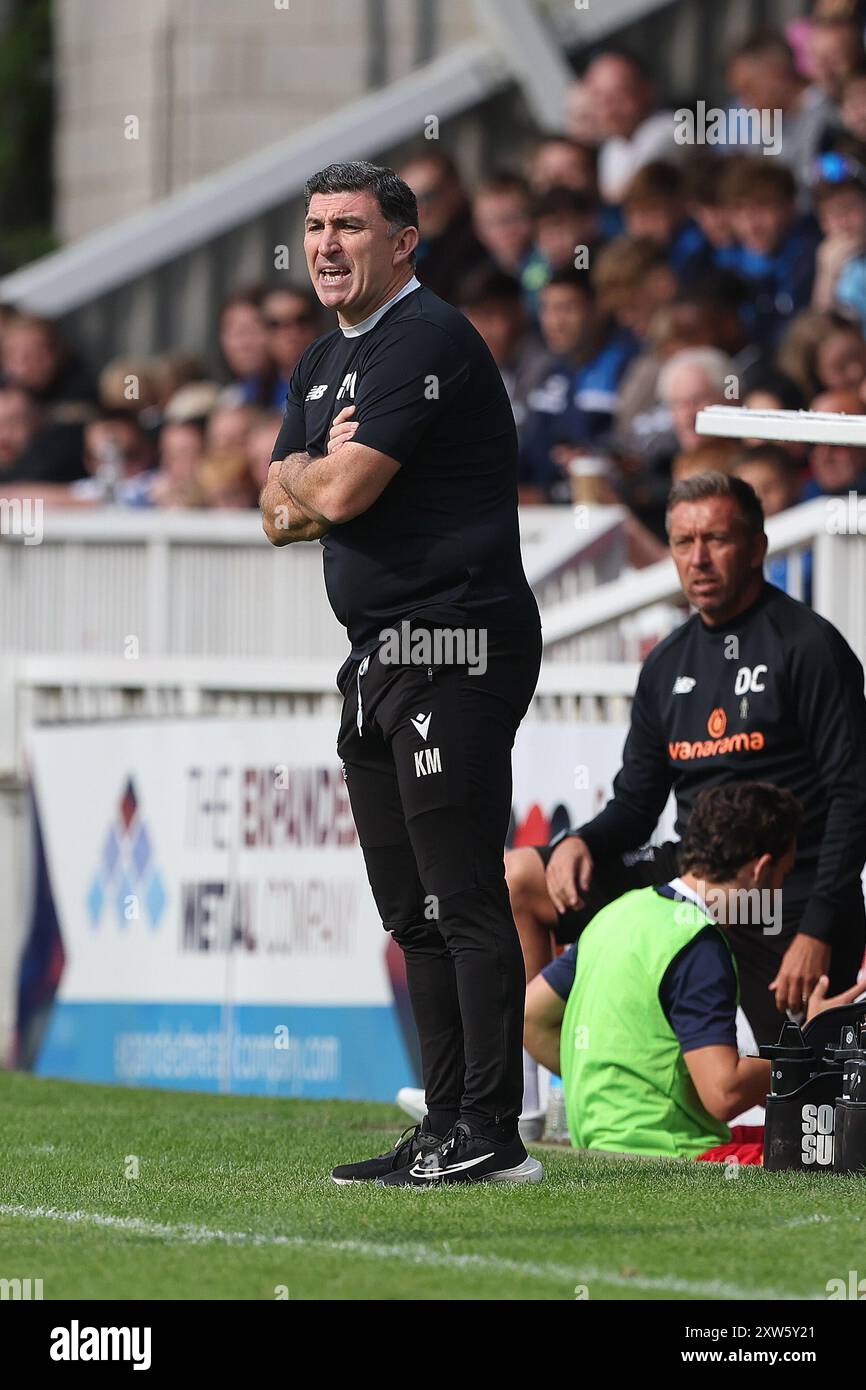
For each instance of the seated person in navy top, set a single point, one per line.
(775, 244)
(654, 206)
(574, 404)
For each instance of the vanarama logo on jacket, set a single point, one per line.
(719, 741)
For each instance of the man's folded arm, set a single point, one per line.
(284, 522)
(339, 486)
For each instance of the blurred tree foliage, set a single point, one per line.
(26, 118)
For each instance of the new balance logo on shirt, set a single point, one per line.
(315, 393)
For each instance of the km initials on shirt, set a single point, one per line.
(427, 760)
(348, 386)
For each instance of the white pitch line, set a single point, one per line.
(410, 1254)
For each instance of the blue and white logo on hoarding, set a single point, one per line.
(127, 884)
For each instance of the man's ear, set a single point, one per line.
(761, 867)
(407, 242)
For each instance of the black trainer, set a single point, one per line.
(414, 1143)
(466, 1156)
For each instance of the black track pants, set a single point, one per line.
(427, 757)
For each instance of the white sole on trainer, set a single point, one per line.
(530, 1170)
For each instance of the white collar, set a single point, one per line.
(354, 330)
(684, 891)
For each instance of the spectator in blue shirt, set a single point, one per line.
(839, 195)
(707, 210)
(572, 409)
(654, 206)
(775, 244)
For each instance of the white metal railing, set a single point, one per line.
(152, 597)
(606, 625)
(804, 426)
(116, 613)
(116, 582)
(74, 689)
(219, 634)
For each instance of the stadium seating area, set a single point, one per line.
(636, 267)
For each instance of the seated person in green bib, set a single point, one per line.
(646, 1043)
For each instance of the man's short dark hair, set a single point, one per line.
(711, 484)
(767, 452)
(701, 178)
(750, 180)
(302, 292)
(763, 44)
(503, 181)
(122, 417)
(485, 287)
(761, 377)
(587, 152)
(731, 825)
(397, 202)
(622, 266)
(435, 157)
(657, 181)
(559, 202)
(624, 55)
(573, 279)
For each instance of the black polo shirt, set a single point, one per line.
(441, 543)
(773, 695)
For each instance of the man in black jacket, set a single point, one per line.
(754, 686)
(398, 451)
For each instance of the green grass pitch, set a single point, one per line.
(233, 1201)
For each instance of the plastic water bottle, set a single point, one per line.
(556, 1128)
(109, 470)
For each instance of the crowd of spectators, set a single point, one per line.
(169, 431)
(623, 277)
